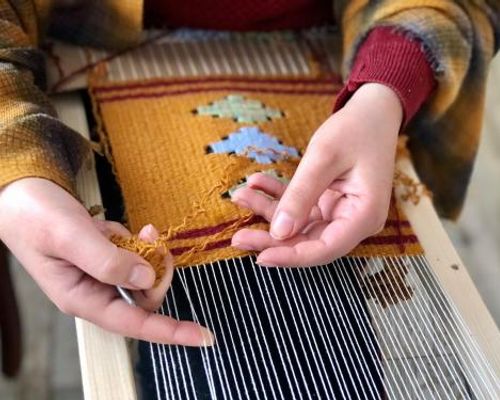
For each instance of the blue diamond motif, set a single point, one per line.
(251, 142)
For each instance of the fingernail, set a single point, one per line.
(263, 263)
(148, 233)
(282, 226)
(208, 338)
(240, 202)
(141, 277)
(242, 246)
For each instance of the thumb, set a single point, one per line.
(314, 174)
(85, 246)
(152, 299)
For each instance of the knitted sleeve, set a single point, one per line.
(394, 60)
(33, 142)
(458, 38)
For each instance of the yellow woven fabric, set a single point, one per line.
(179, 145)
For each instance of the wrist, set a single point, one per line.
(376, 103)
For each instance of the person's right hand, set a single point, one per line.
(68, 254)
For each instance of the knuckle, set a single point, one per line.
(109, 268)
(297, 193)
(60, 238)
(175, 332)
(322, 156)
(321, 161)
(319, 148)
(66, 307)
(141, 330)
(324, 132)
(322, 142)
(258, 178)
(113, 227)
(44, 238)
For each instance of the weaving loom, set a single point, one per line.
(398, 318)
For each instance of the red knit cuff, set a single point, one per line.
(393, 59)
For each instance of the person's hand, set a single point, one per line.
(70, 257)
(340, 192)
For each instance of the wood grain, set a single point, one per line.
(451, 273)
(104, 359)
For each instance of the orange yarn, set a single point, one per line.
(154, 253)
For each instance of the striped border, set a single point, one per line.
(389, 240)
(118, 86)
(157, 88)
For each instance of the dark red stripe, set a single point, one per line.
(215, 89)
(177, 251)
(213, 79)
(394, 223)
(374, 240)
(218, 89)
(390, 239)
(212, 230)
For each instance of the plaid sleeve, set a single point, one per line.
(99, 23)
(455, 36)
(459, 39)
(33, 142)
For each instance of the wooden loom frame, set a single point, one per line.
(104, 357)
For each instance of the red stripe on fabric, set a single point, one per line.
(391, 239)
(394, 223)
(177, 251)
(374, 240)
(218, 89)
(214, 79)
(212, 230)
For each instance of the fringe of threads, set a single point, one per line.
(148, 250)
(103, 147)
(231, 172)
(154, 253)
(96, 209)
(411, 189)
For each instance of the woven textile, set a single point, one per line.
(180, 145)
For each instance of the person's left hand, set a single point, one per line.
(340, 193)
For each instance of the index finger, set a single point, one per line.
(137, 323)
(101, 306)
(334, 240)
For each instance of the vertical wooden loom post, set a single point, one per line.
(451, 273)
(104, 358)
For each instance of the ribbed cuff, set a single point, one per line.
(395, 60)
